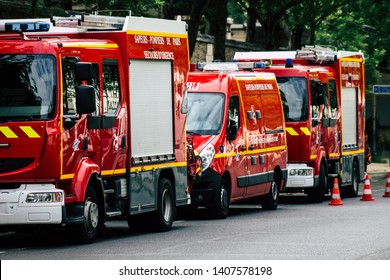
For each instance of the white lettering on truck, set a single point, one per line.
(193, 86)
(159, 55)
(259, 87)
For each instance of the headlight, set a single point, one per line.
(44, 197)
(207, 155)
(301, 172)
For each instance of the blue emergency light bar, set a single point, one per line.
(25, 26)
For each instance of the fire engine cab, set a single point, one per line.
(236, 123)
(92, 122)
(323, 95)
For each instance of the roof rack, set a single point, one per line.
(90, 22)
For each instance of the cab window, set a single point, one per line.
(70, 83)
(333, 98)
(111, 86)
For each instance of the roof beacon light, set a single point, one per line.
(24, 26)
(289, 63)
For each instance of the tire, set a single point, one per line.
(317, 194)
(271, 200)
(222, 201)
(353, 189)
(162, 219)
(89, 229)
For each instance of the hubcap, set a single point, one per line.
(91, 213)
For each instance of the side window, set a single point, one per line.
(69, 84)
(333, 98)
(111, 86)
(324, 89)
(234, 113)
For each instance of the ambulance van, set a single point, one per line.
(236, 123)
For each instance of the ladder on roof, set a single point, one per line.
(90, 22)
(317, 54)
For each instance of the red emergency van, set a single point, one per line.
(236, 121)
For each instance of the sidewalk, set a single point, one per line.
(378, 169)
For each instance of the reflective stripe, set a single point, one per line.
(8, 132)
(306, 131)
(30, 132)
(291, 131)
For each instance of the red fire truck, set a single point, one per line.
(236, 123)
(92, 122)
(323, 93)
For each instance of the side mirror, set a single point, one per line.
(232, 130)
(83, 71)
(85, 99)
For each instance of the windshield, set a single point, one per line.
(205, 113)
(293, 92)
(27, 84)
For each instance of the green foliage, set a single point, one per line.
(344, 30)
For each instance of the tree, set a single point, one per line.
(216, 14)
(197, 12)
(270, 14)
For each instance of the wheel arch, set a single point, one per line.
(168, 174)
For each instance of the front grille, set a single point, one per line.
(12, 164)
(9, 186)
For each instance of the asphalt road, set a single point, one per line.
(297, 230)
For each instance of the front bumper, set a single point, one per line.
(299, 176)
(205, 187)
(14, 210)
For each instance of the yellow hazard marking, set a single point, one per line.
(306, 131)
(291, 131)
(67, 176)
(8, 132)
(351, 59)
(346, 153)
(114, 172)
(334, 154)
(30, 132)
(231, 154)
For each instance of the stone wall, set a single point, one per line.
(205, 44)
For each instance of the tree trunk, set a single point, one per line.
(220, 30)
(34, 8)
(196, 16)
(297, 37)
(251, 27)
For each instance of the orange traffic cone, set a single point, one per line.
(336, 199)
(367, 196)
(387, 189)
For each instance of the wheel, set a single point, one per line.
(162, 219)
(222, 201)
(353, 189)
(88, 230)
(317, 194)
(271, 200)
